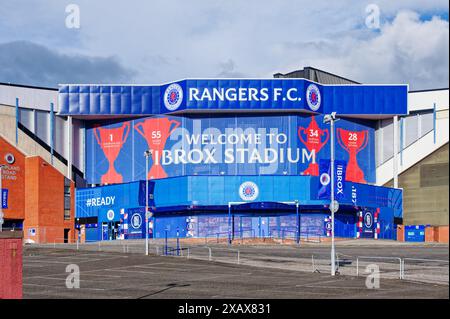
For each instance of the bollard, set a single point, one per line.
(178, 242)
(337, 261)
(402, 269)
(165, 243)
(357, 267)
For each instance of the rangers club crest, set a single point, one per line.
(136, 221)
(248, 191)
(110, 215)
(9, 158)
(368, 221)
(173, 96)
(313, 97)
(325, 179)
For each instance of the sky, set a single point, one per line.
(159, 41)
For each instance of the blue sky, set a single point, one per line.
(164, 40)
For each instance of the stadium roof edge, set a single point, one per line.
(428, 90)
(227, 79)
(28, 86)
(315, 69)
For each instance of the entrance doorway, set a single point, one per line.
(66, 235)
(110, 230)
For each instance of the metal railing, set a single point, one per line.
(241, 237)
(425, 270)
(411, 269)
(380, 258)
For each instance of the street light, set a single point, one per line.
(297, 218)
(331, 118)
(1, 195)
(230, 231)
(147, 154)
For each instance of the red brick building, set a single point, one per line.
(39, 198)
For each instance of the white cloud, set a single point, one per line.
(407, 50)
(24, 62)
(166, 40)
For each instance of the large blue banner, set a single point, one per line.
(150, 191)
(135, 221)
(264, 145)
(108, 202)
(325, 179)
(364, 195)
(232, 94)
(368, 224)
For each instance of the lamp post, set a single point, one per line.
(229, 223)
(1, 195)
(331, 118)
(297, 216)
(147, 154)
(230, 231)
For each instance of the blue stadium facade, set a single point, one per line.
(232, 158)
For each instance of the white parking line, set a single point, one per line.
(64, 279)
(71, 261)
(99, 275)
(82, 272)
(59, 287)
(89, 256)
(169, 268)
(132, 271)
(33, 266)
(330, 287)
(46, 262)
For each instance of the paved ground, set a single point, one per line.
(349, 248)
(119, 275)
(353, 256)
(352, 248)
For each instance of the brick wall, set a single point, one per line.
(45, 210)
(36, 195)
(10, 266)
(13, 180)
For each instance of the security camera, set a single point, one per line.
(329, 117)
(148, 153)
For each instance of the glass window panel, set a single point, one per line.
(388, 139)
(42, 126)
(411, 129)
(26, 118)
(427, 123)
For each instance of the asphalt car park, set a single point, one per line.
(135, 276)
